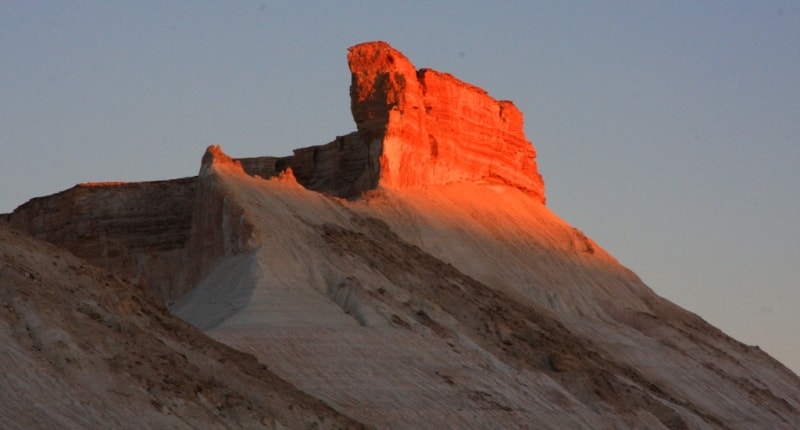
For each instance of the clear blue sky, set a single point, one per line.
(667, 131)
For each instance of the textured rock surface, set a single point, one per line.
(345, 167)
(82, 349)
(266, 167)
(138, 230)
(218, 228)
(469, 306)
(415, 128)
(434, 128)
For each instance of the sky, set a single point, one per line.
(669, 132)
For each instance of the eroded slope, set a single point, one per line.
(79, 348)
(470, 306)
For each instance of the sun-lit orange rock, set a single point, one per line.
(415, 128)
(220, 160)
(433, 128)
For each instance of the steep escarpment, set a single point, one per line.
(137, 230)
(415, 128)
(219, 228)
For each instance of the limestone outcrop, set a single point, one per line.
(415, 128)
(137, 230)
(435, 129)
(345, 167)
(218, 226)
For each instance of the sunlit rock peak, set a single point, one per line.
(415, 128)
(433, 128)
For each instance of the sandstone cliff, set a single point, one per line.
(218, 227)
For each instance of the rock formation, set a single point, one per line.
(138, 230)
(219, 228)
(407, 274)
(415, 128)
(435, 129)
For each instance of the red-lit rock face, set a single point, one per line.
(434, 128)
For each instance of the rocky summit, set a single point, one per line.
(406, 275)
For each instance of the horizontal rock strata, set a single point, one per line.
(415, 128)
(138, 230)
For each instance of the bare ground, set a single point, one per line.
(83, 349)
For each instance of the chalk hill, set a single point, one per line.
(407, 275)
